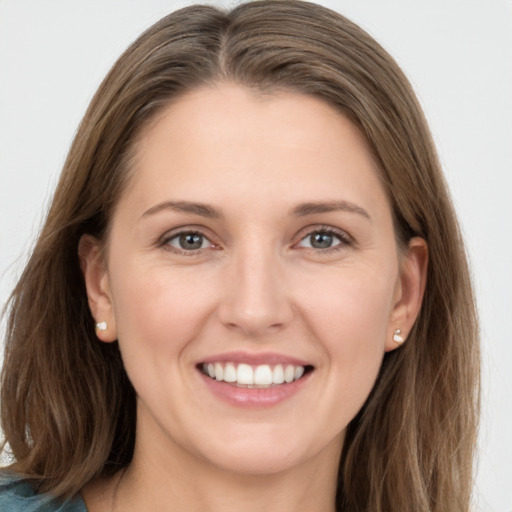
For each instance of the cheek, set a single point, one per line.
(350, 320)
(352, 308)
(158, 311)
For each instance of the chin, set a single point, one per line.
(267, 454)
(258, 463)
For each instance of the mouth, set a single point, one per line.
(260, 376)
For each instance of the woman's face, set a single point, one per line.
(254, 244)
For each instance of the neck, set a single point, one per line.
(205, 488)
(165, 476)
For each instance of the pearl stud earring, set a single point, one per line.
(397, 336)
(101, 326)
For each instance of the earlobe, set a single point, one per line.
(411, 288)
(98, 287)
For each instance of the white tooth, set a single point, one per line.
(289, 373)
(263, 375)
(299, 372)
(244, 374)
(211, 371)
(219, 371)
(278, 374)
(230, 373)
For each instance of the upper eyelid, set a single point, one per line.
(182, 230)
(309, 230)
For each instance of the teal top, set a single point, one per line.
(17, 495)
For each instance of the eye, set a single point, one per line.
(324, 239)
(188, 241)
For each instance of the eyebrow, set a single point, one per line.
(204, 210)
(302, 210)
(305, 209)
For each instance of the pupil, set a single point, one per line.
(321, 240)
(191, 241)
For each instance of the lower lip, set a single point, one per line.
(254, 397)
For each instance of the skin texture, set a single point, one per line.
(256, 286)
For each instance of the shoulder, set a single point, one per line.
(17, 495)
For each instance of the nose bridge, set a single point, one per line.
(256, 299)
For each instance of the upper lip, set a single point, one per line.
(255, 359)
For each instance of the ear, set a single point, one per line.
(98, 287)
(409, 291)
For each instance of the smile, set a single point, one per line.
(260, 376)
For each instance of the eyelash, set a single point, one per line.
(343, 238)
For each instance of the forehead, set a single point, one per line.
(226, 139)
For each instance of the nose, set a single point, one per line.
(255, 300)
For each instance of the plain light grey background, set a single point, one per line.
(458, 55)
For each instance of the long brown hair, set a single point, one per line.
(68, 408)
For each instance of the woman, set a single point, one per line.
(251, 288)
